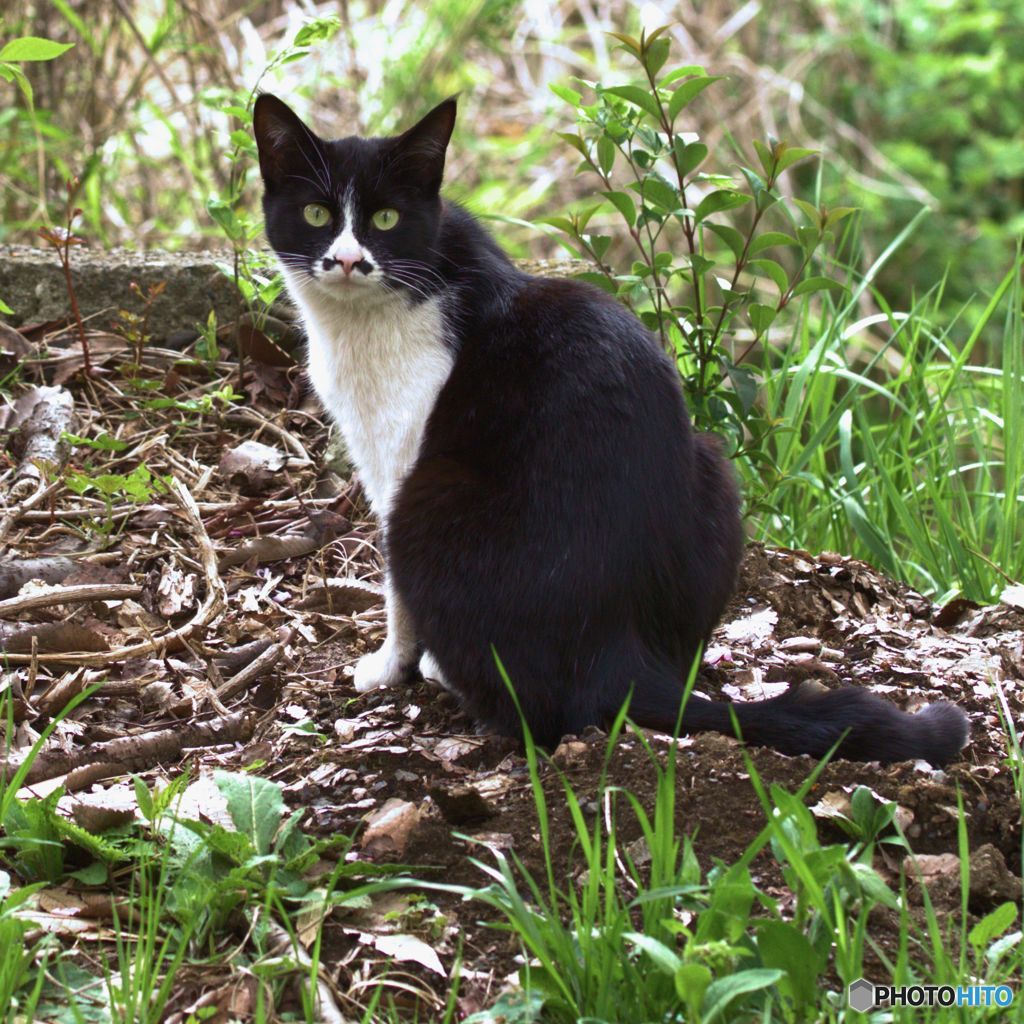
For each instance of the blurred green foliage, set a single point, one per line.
(938, 87)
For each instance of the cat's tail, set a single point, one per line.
(810, 720)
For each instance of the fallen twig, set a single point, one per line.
(69, 595)
(137, 752)
(41, 436)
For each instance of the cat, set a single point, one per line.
(526, 448)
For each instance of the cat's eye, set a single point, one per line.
(316, 214)
(386, 219)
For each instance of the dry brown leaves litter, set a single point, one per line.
(213, 585)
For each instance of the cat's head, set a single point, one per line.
(355, 218)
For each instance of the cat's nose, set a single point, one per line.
(347, 259)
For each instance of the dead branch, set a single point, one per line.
(39, 438)
(136, 753)
(69, 595)
(15, 573)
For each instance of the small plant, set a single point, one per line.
(62, 238)
(711, 290)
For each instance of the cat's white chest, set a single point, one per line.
(378, 371)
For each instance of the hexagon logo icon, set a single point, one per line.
(861, 995)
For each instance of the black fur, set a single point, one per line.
(562, 511)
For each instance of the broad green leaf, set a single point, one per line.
(783, 946)
(663, 196)
(656, 55)
(773, 271)
(744, 383)
(664, 957)
(256, 806)
(992, 925)
(4, 308)
(689, 71)
(33, 48)
(790, 155)
(689, 156)
(627, 41)
(636, 95)
(144, 798)
(818, 284)
(761, 317)
(571, 96)
(726, 990)
(838, 213)
(809, 210)
(692, 982)
(770, 239)
(622, 202)
(605, 154)
(730, 236)
(576, 142)
(765, 155)
(687, 92)
(700, 264)
(716, 202)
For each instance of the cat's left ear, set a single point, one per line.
(423, 146)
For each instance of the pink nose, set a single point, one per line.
(347, 260)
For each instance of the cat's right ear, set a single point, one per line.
(282, 138)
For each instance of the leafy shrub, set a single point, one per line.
(710, 284)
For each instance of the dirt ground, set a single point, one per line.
(251, 585)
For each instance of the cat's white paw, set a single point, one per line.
(383, 667)
(430, 669)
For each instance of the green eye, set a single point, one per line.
(386, 219)
(316, 214)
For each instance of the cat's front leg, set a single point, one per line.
(393, 663)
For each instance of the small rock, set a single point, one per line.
(460, 804)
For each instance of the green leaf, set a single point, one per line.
(818, 284)
(622, 202)
(256, 807)
(656, 55)
(4, 308)
(700, 264)
(790, 156)
(838, 213)
(637, 96)
(773, 271)
(784, 946)
(571, 96)
(663, 196)
(95, 874)
(764, 154)
(576, 142)
(664, 957)
(692, 982)
(726, 990)
(982, 934)
(144, 798)
(628, 42)
(688, 71)
(605, 154)
(744, 383)
(730, 236)
(689, 156)
(12, 73)
(761, 317)
(716, 202)
(770, 239)
(687, 92)
(33, 48)
(810, 211)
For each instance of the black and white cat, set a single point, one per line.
(525, 446)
